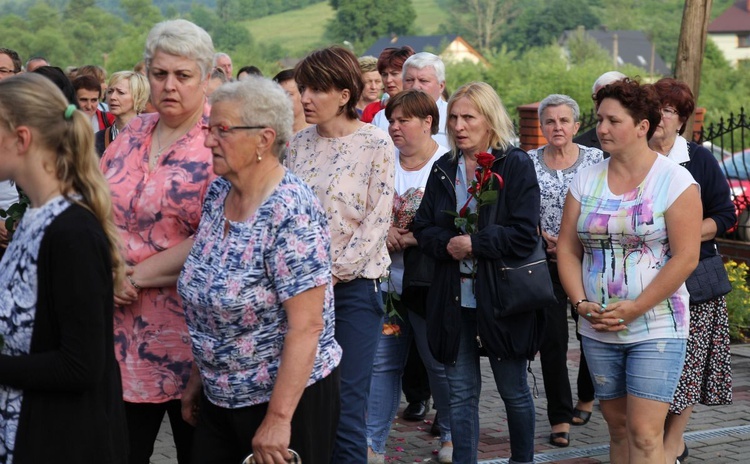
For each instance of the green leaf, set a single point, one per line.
(473, 217)
(451, 213)
(460, 222)
(488, 197)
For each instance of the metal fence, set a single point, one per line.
(729, 141)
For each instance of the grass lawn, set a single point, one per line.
(302, 30)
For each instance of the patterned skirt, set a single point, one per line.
(707, 374)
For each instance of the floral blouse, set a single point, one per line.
(233, 288)
(18, 299)
(155, 210)
(353, 178)
(553, 184)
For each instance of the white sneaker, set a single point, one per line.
(445, 455)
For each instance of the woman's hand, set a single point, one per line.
(605, 318)
(271, 441)
(551, 244)
(399, 239)
(125, 293)
(191, 397)
(459, 247)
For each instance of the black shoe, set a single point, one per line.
(435, 429)
(416, 411)
(681, 458)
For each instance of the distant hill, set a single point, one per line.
(302, 30)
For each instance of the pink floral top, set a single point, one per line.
(353, 178)
(155, 210)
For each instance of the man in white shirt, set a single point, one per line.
(426, 72)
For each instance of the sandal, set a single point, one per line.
(559, 435)
(681, 458)
(582, 416)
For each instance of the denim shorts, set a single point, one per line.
(648, 369)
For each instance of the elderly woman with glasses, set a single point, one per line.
(707, 374)
(158, 172)
(258, 294)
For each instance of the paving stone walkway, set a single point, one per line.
(717, 434)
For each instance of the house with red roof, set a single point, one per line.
(731, 32)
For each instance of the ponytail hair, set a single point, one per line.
(34, 101)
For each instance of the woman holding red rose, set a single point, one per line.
(460, 322)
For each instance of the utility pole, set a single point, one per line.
(692, 44)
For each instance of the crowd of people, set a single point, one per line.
(254, 258)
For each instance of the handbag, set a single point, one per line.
(708, 281)
(523, 284)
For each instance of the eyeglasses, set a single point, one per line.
(668, 112)
(6, 71)
(221, 131)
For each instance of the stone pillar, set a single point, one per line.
(698, 118)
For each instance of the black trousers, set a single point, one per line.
(225, 435)
(144, 421)
(554, 356)
(414, 381)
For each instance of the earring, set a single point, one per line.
(257, 155)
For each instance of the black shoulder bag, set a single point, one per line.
(709, 280)
(521, 284)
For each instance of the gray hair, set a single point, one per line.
(262, 102)
(181, 38)
(220, 55)
(557, 99)
(423, 60)
(606, 79)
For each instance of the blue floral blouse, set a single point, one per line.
(233, 288)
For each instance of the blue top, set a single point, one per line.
(233, 288)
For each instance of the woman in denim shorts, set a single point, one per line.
(630, 237)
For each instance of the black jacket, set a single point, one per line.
(513, 233)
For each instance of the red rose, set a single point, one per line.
(485, 160)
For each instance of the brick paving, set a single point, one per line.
(717, 434)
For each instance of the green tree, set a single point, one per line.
(582, 48)
(480, 22)
(358, 22)
(542, 22)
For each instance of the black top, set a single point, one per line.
(72, 409)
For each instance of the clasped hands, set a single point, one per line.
(611, 317)
(399, 239)
(459, 247)
(125, 292)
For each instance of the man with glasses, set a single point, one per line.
(10, 63)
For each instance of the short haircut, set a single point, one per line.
(607, 78)
(93, 70)
(36, 58)
(488, 104)
(678, 95)
(415, 104)
(283, 76)
(88, 83)
(557, 99)
(368, 64)
(181, 38)
(332, 68)
(640, 101)
(261, 102)
(423, 60)
(218, 55)
(251, 70)
(58, 77)
(13, 55)
(394, 58)
(218, 73)
(140, 89)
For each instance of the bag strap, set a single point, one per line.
(107, 136)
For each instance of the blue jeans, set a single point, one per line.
(649, 369)
(359, 322)
(465, 382)
(385, 390)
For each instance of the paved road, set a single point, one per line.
(719, 434)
